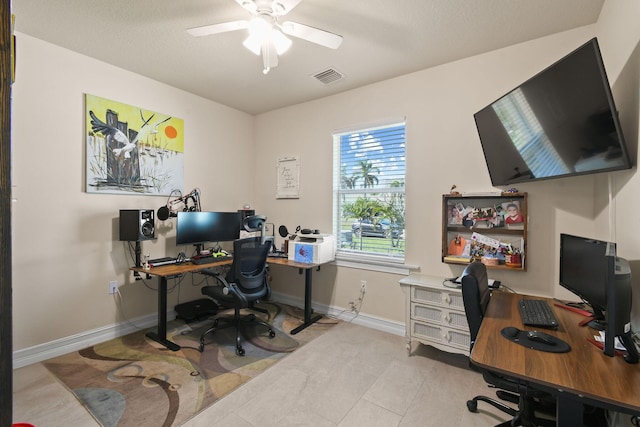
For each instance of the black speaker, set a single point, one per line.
(137, 224)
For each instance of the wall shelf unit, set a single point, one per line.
(491, 228)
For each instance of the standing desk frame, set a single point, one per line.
(309, 318)
(164, 272)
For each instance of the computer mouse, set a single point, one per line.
(510, 332)
(540, 337)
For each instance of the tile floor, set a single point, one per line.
(350, 376)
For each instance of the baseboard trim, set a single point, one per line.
(41, 352)
(361, 319)
(48, 350)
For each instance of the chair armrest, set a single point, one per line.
(232, 288)
(212, 272)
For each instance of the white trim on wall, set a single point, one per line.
(48, 350)
(42, 352)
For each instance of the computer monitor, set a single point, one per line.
(198, 228)
(590, 269)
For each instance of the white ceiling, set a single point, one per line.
(382, 39)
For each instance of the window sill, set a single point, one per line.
(380, 264)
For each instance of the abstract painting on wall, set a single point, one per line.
(131, 150)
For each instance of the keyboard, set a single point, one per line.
(535, 312)
(210, 259)
(278, 255)
(157, 262)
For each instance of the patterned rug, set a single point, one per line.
(134, 381)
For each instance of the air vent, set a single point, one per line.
(328, 76)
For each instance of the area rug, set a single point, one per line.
(134, 381)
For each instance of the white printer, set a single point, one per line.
(312, 248)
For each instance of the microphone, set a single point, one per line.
(163, 213)
(166, 212)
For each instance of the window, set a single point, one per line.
(368, 192)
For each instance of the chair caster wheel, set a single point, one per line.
(272, 334)
(240, 351)
(472, 406)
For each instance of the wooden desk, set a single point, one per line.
(163, 273)
(309, 319)
(585, 375)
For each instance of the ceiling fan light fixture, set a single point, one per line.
(281, 42)
(259, 27)
(254, 44)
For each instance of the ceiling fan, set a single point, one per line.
(266, 34)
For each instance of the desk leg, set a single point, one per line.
(161, 336)
(308, 312)
(569, 411)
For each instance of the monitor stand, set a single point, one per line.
(632, 351)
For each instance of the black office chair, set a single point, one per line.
(476, 295)
(245, 283)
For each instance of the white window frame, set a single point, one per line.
(361, 258)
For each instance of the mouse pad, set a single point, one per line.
(520, 337)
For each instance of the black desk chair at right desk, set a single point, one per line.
(476, 295)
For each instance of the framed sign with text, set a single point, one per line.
(288, 180)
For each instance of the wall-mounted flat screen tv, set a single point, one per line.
(561, 122)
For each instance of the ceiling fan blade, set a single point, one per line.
(314, 35)
(218, 28)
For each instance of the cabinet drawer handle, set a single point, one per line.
(446, 299)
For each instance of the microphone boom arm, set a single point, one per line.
(169, 210)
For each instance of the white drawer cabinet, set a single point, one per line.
(435, 314)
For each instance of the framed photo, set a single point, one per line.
(512, 213)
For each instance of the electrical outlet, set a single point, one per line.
(113, 287)
(363, 286)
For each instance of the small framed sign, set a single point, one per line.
(288, 180)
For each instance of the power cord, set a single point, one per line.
(451, 283)
(118, 299)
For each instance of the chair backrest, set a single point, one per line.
(248, 270)
(256, 223)
(475, 295)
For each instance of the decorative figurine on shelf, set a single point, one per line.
(457, 245)
(453, 187)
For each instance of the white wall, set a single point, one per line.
(619, 36)
(65, 241)
(443, 149)
(74, 234)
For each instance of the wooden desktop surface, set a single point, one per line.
(187, 267)
(584, 371)
(175, 269)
